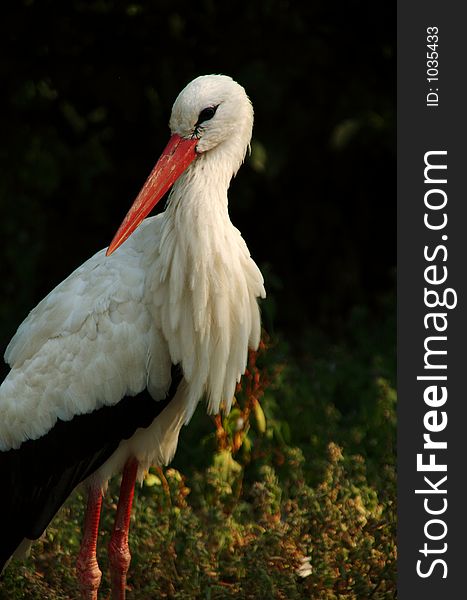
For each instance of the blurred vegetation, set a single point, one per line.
(293, 494)
(290, 496)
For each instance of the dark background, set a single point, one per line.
(86, 94)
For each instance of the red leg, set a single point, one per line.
(119, 552)
(89, 574)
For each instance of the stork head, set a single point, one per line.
(212, 114)
(213, 109)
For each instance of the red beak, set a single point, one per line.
(178, 154)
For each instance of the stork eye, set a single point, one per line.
(206, 114)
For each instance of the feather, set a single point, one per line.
(182, 290)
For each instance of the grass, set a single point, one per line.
(291, 496)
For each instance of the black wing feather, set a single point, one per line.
(39, 476)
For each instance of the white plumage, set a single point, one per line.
(181, 290)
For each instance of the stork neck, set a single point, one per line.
(201, 192)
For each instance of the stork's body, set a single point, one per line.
(108, 367)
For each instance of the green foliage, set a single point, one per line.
(290, 496)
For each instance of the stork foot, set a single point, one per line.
(89, 574)
(119, 551)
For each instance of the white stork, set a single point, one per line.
(110, 365)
